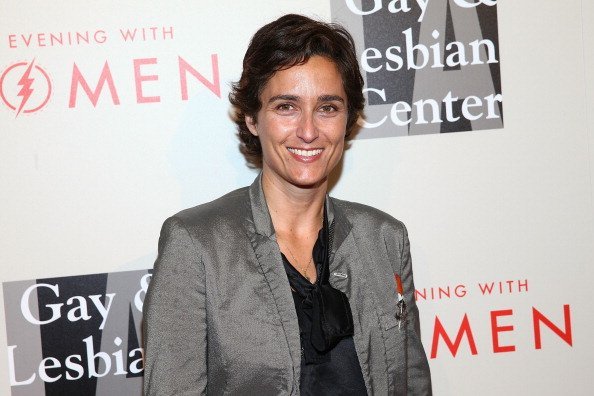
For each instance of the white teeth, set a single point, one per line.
(305, 153)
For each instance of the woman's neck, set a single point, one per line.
(295, 211)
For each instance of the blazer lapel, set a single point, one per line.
(263, 239)
(347, 274)
(342, 226)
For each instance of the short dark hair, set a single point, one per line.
(289, 41)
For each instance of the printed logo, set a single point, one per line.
(25, 87)
(429, 66)
(517, 327)
(76, 335)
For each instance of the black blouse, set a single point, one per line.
(329, 363)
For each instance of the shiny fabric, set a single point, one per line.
(323, 312)
(339, 375)
(329, 363)
(219, 316)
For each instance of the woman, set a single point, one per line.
(277, 288)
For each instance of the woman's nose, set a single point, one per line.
(307, 130)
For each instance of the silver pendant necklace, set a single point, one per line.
(303, 269)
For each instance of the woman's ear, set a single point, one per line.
(251, 124)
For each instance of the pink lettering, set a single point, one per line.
(184, 68)
(78, 79)
(139, 78)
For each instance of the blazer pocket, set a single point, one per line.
(395, 343)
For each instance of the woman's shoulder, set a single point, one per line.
(226, 209)
(361, 215)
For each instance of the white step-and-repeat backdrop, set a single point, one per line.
(478, 135)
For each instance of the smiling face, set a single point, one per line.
(302, 123)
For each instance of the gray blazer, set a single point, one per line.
(219, 316)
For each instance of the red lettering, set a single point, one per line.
(453, 346)
(496, 329)
(184, 68)
(78, 79)
(486, 288)
(420, 294)
(538, 317)
(139, 78)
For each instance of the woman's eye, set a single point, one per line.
(328, 108)
(284, 107)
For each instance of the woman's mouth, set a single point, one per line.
(305, 153)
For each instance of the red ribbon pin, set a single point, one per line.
(399, 288)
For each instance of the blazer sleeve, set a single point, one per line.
(418, 374)
(175, 317)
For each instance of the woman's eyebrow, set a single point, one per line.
(321, 98)
(331, 98)
(283, 97)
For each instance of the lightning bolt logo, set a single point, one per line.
(28, 100)
(25, 83)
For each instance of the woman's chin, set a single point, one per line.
(309, 182)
